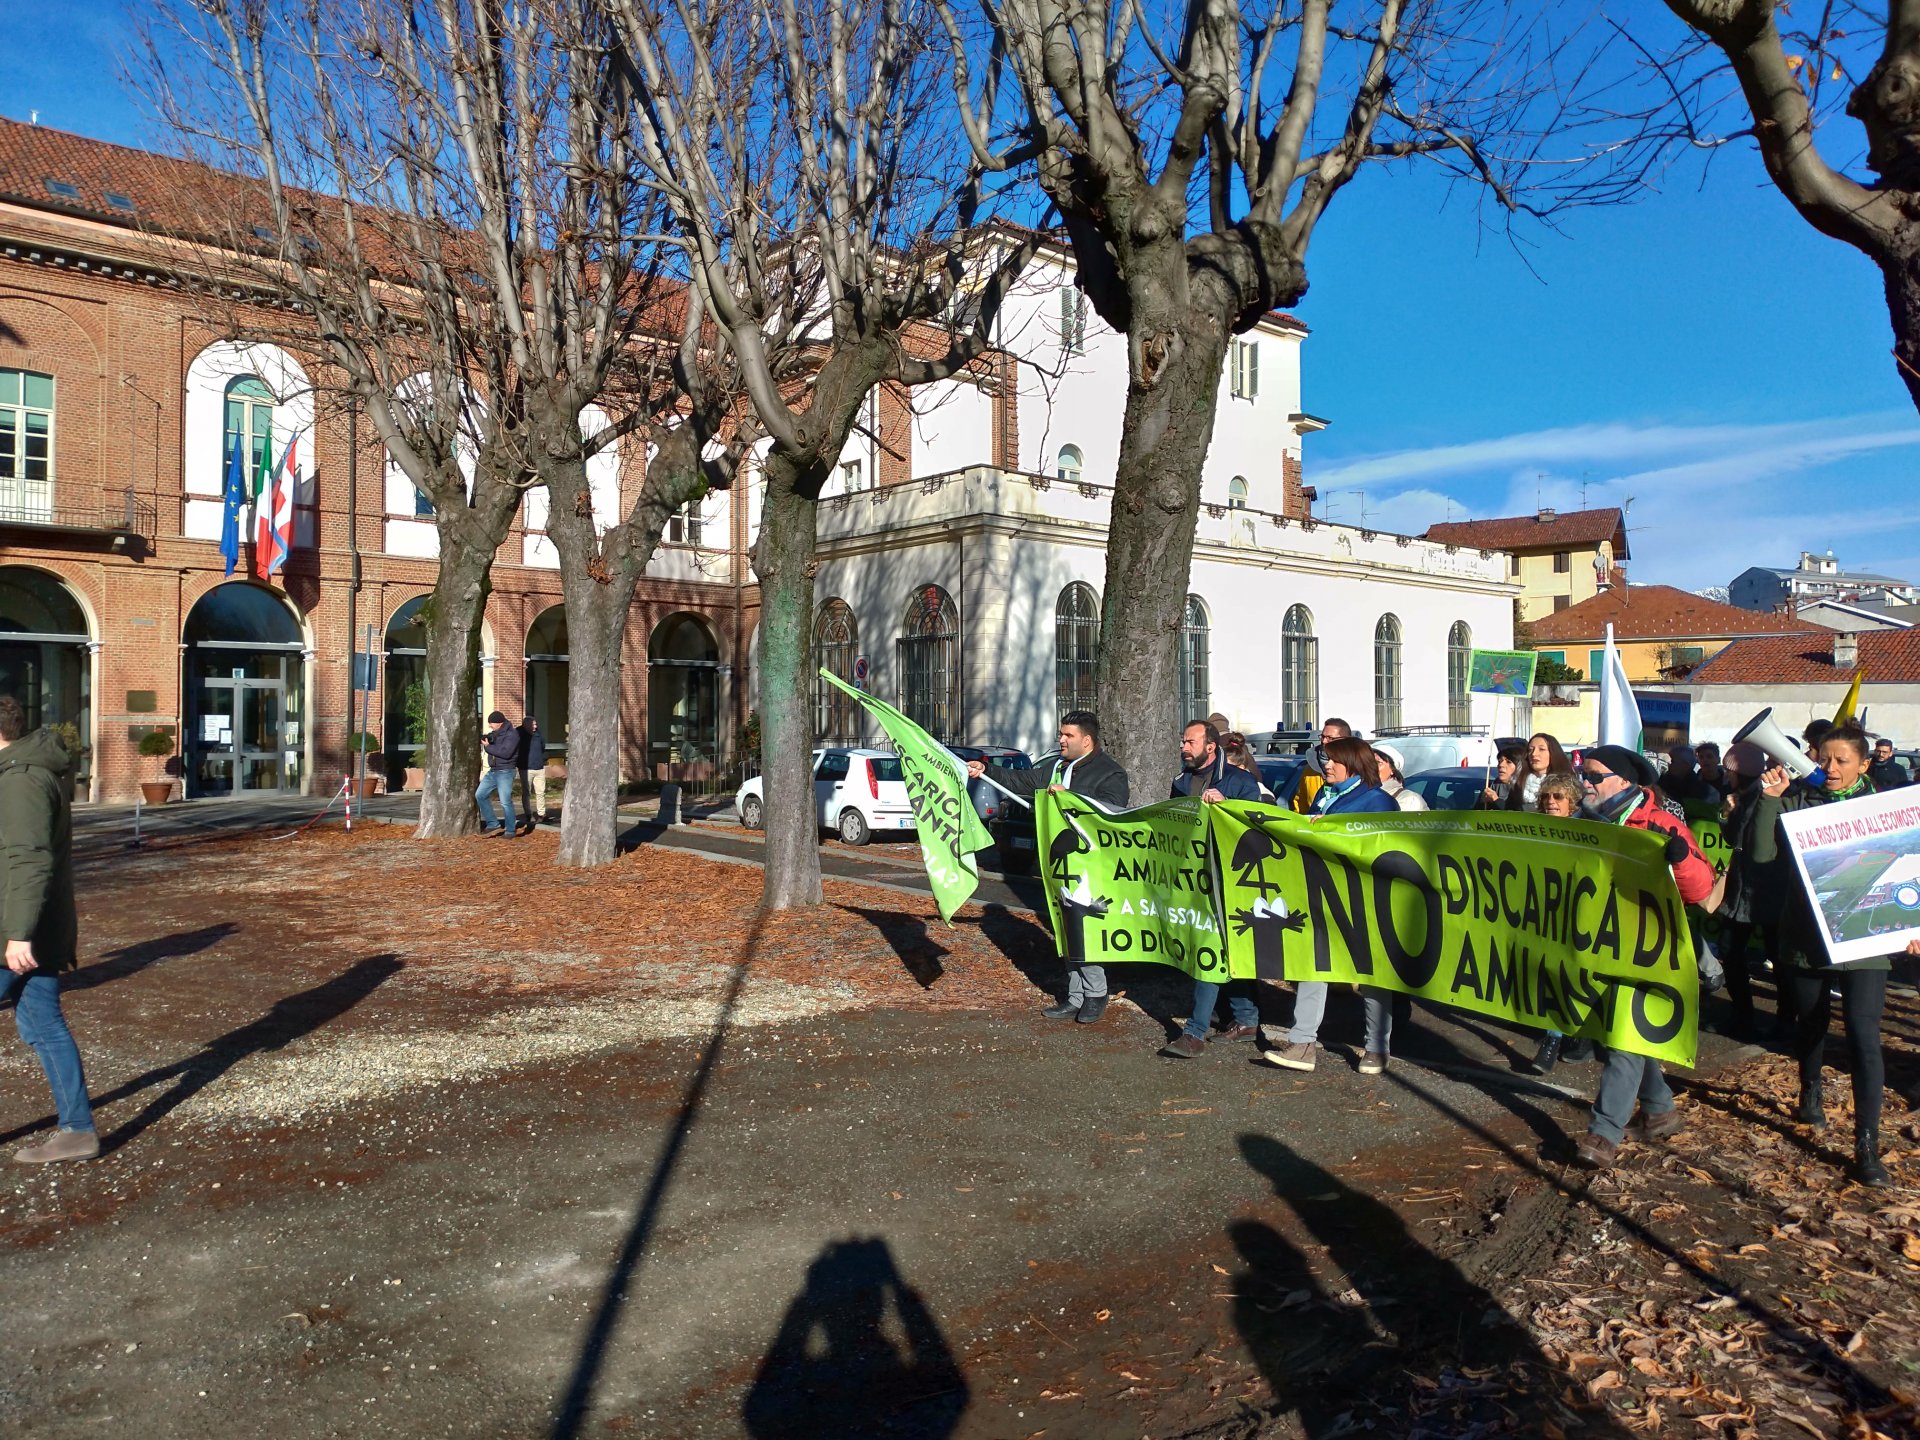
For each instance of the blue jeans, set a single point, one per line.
(496, 782)
(36, 1010)
(1206, 995)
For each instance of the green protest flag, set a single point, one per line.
(943, 815)
(1133, 884)
(1501, 672)
(1703, 818)
(1556, 924)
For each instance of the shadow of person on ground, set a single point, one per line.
(131, 959)
(287, 1021)
(1401, 1333)
(858, 1357)
(908, 935)
(1027, 944)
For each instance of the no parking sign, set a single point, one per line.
(861, 667)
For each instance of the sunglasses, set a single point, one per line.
(1594, 777)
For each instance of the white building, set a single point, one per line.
(965, 586)
(1816, 577)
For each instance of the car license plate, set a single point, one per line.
(1021, 842)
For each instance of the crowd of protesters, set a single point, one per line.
(1758, 913)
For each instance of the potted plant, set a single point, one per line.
(156, 745)
(361, 743)
(413, 702)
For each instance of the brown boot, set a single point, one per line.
(61, 1145)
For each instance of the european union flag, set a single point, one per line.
(236, 500)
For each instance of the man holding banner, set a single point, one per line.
(1088, 771)
(1618, 788)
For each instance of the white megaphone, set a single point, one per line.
(1780, 748)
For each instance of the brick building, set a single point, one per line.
(119, 407)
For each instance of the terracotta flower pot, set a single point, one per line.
(156, 792)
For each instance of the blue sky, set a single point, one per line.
(1702, 351)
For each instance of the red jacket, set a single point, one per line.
(1693, 875)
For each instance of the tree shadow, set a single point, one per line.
(570, 1410)
(1400, 1330)
(908, 935)
(1025, 940)
(287, 1021)
(131, 959)
(858, 1357)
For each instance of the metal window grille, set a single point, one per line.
(1459, 667)
(929, 650)
(1299, 670)
(1195, 687)
(1387, 681)
(836, 642)
(1076, 647)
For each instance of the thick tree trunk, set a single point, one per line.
(596, 632)
(783, 557)
(453, 680)
(1902, 271)
(1165, 431)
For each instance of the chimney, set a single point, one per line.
(1846, 650)
(1546, 516)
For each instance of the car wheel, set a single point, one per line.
(752, 813)
(853, 827)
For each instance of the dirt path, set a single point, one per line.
(390, 1158)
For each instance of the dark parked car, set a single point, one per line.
(987, 801)
(1450, 789)
(1011, 823)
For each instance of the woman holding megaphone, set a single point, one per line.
(1806, 971)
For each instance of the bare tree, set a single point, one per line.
(821, 215)
(1191, 150)
(1789, 82)
(454, 225)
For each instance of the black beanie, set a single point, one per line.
(1634, 769)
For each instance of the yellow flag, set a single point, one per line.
(1852, 702)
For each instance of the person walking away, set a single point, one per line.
(1507, 765)
(1886, 773)
(533, 771)
(1755, 895)
(41, 923)
(1805, 966)
(1544, 758)
(501, 745)
(1352, 788)
(1241, 757)
(1204, 771)
(1619, 787)
(1086, 770)
(1393, 778)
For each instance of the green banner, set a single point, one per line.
(1501, 672)
(1557, 924)
(943, 815)
(1703, 818)
(1133, 885)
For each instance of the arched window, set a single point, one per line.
(405, 700)
(929, 652)
(1299, 670)
(1076, 647)
(1387, 685)
(683, 693)
(1237, 493)
(1070, 464)
(547, 658)
(836, 643)
(249, 424)
(43, 658)
(1196, 697)
(1459, 667)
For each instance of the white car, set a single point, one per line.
(855, 792)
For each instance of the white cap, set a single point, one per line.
(1399, 760)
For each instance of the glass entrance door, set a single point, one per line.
(242, 742)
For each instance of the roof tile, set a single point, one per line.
(1888, 657)
(1661, 612)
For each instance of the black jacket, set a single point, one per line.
(533, 749)
(502, 747)
(1887, 775)
(1098, 777)
(36, 850)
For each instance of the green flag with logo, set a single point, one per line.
(943, 814)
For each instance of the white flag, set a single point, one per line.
(1619, 711)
